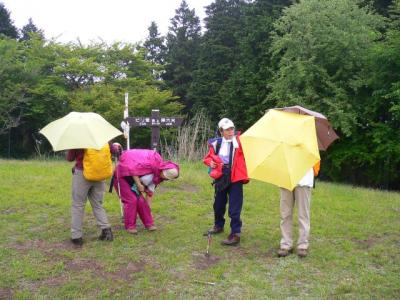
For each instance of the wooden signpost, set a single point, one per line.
(155, 122)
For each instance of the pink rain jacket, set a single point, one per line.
(139, 162)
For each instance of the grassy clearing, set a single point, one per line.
(354, 243)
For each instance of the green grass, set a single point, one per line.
(354, 243)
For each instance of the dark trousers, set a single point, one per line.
(235, 194)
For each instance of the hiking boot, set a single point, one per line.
(302, 253)
(214, 230)
(284, 252)
(106, 235)
(77, 242)
(152, 228)
(232, 240)
(132, 230)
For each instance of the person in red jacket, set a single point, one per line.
(228, 167)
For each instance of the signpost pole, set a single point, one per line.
(127, 127)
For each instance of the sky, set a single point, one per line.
(96, 20)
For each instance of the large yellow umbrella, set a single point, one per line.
(280, 148)
(79, 130)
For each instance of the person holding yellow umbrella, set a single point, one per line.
(86, 136)
(301, 196)
(290, 150)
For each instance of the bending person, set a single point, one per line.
(139, 172)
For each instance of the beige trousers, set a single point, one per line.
(81, 190)
(301, 195)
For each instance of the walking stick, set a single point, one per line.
(208, 243)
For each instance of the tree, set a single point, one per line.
(380, 6)
(41, 81)
(182, 49)
(12, 85)
(154, 45)
(320, 47)
(30, 95)
(246, 86)
(382, 111)
(30, 29)
(122, 69)
(7, 27)
(331, 57)
(219, 56)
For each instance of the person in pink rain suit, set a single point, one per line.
(138, 172)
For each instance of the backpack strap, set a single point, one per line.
(230, 155)
(110, 189)
(218, 146)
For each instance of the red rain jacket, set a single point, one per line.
(238, 171)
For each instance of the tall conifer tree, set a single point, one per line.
(29, 29)
(155, 45)
(7, 27)
(182, 49)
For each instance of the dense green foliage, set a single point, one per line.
(42, 81)
(338, 57)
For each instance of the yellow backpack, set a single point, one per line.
(97, 164)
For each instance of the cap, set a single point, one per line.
(170, 173)
(225, 123)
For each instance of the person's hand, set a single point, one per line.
(141, 187)
(149, 199)
(213, 164)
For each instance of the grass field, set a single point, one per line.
(354, 248)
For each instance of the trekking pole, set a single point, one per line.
(208, 243)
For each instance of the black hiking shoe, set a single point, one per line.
(106, 235)
(77, 242)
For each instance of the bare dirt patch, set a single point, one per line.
(202, 262)
(370, 241)
(53, 281)
(151, 261)
(367, 243)
(8, 211)
(189, 188)
(83, 264)
(6, 294)
(271, 253)
(127, 272)
(42, 245)
(385, 237)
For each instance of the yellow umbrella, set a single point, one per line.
(79, 130)
(280, 148)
